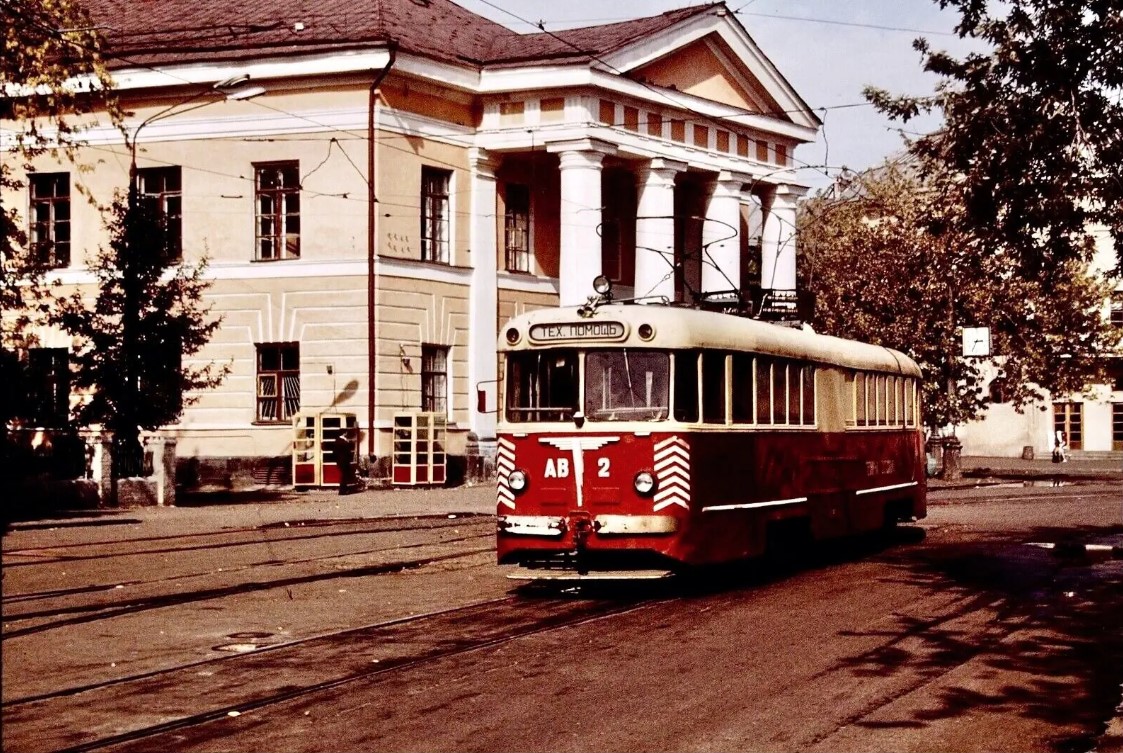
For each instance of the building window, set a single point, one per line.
(50, 219)
(1117, 427)
(618, 226)
(278, 381)
(435, 214)
(48, 387)
(277, 190)
(434, 378)
(1115, 373)
(516, 235)
(1069, 418)
(1117, 308)
(163, 186)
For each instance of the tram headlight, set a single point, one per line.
(602, 285)
(644, 483)
(512, 335)
(518, 481)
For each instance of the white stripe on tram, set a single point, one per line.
(751, 505)
(886, 488)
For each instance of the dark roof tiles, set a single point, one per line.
(150, 32)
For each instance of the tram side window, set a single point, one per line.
(541, 386)
(686, 387)
(882, 401)
(807, 384)
(742, 388)
(713, 387)
(910, 414)
(895, 401)
(849, 401)
(763, 391)
(860, 398)
(780, 393)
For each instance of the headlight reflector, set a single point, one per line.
(644, 483)
(518, 481)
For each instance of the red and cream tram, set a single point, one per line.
(646, 439)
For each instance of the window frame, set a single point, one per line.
(169, 202)
(283, 233)
(50, 236)
(436, 215)
(48, 387)
(282, 379)
(517, 227)
(434, 378)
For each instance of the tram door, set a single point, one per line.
(313, 438)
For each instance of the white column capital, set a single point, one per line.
(482, 162)
(727, 186)
(587, 149)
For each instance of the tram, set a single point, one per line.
(641, 440)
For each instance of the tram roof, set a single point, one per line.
(680, 328)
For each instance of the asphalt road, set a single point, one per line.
(401, 634)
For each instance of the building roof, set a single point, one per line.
(154, 32)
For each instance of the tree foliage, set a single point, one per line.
(51, 74)
(888, 262)
(147, 316)
(1033, 125)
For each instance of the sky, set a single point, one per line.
(826, 49)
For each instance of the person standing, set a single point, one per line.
(1060, 448)
(343, 452)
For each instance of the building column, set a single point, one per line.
(777, 252)
(655, 228)
(483, 301)
(721, 236)
(580, 216)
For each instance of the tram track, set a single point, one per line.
(36, 552)
(23, 597)
(91, 613)
(232, 685)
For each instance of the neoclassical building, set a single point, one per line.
(379, 184)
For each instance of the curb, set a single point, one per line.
(1104, 551)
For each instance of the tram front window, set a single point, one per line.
(541, 386)
(623, 385)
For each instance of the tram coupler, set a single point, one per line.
(582, 524)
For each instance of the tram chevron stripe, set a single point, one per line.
(671, 462)
(504, 464)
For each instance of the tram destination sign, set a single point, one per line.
(569, 331)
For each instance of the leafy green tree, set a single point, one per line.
(147, 315)
(887, 260)
(51, 74)
(49, 45)
(1033, 127)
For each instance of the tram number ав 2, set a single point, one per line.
(559, 468)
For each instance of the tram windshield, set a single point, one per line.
(623, 385)
(542, 385)
(620, 385)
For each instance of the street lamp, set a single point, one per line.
(125, 436)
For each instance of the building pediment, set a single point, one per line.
(707, 69)
(710, 55)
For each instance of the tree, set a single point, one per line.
(887, 260)
(1033, 127)
(147, 315)
(51, 74)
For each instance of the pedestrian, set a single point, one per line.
(343, 451)
(1060, 448)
